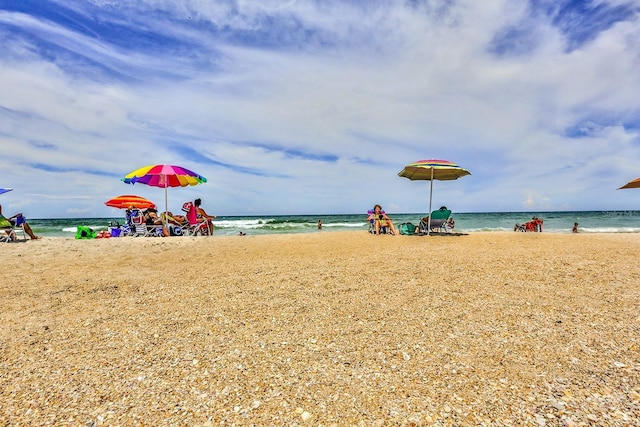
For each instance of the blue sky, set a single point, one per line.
(313, 107)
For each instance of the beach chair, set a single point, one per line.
(154, 230)
(19, 226)
(136, 222)
(9, 230)
(128, 229)
(438, 224)
(175, 226)
(372, 221)
(535, 225)
(195, 227)
(7, 233)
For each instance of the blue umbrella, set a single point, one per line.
(5, 190)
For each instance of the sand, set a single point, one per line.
(327, 328)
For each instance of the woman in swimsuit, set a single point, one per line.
(380, 220)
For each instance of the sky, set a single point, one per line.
(314, 107)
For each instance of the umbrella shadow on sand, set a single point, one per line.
(442, 233)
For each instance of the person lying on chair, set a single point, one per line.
(170, 218)
(18, 219)
(380, 220)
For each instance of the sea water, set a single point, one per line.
(554, 222)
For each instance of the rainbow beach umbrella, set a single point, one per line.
(441, 170)
(164, 176)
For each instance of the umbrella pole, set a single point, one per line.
(166, 205)
(430, 199)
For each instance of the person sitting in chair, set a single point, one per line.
(451, 223)
(204, 216)
(18, 219)
(151, 216)
(381, 220)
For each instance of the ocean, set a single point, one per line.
(554, 222)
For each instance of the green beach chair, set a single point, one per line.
(438, 221)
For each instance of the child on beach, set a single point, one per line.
(575, 227)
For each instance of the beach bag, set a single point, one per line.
(85, 233)
(407, 228)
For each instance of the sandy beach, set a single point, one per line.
(341, 328)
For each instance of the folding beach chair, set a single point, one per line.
(9, 230)
(136, 222)
(195, 227)
(176, 225)
(7, 233)
(535, 225)
(372, 221)
(438, 222)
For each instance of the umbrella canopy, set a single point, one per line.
(428, 170)
(5, 190)
(164, 176)
(127, 200)
(631, 184)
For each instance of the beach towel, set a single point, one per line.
(192, 213)
(5, 223)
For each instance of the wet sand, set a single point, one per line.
(327, 328)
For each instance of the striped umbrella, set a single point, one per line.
(127, 200)
(442, 170)
(164, 176)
